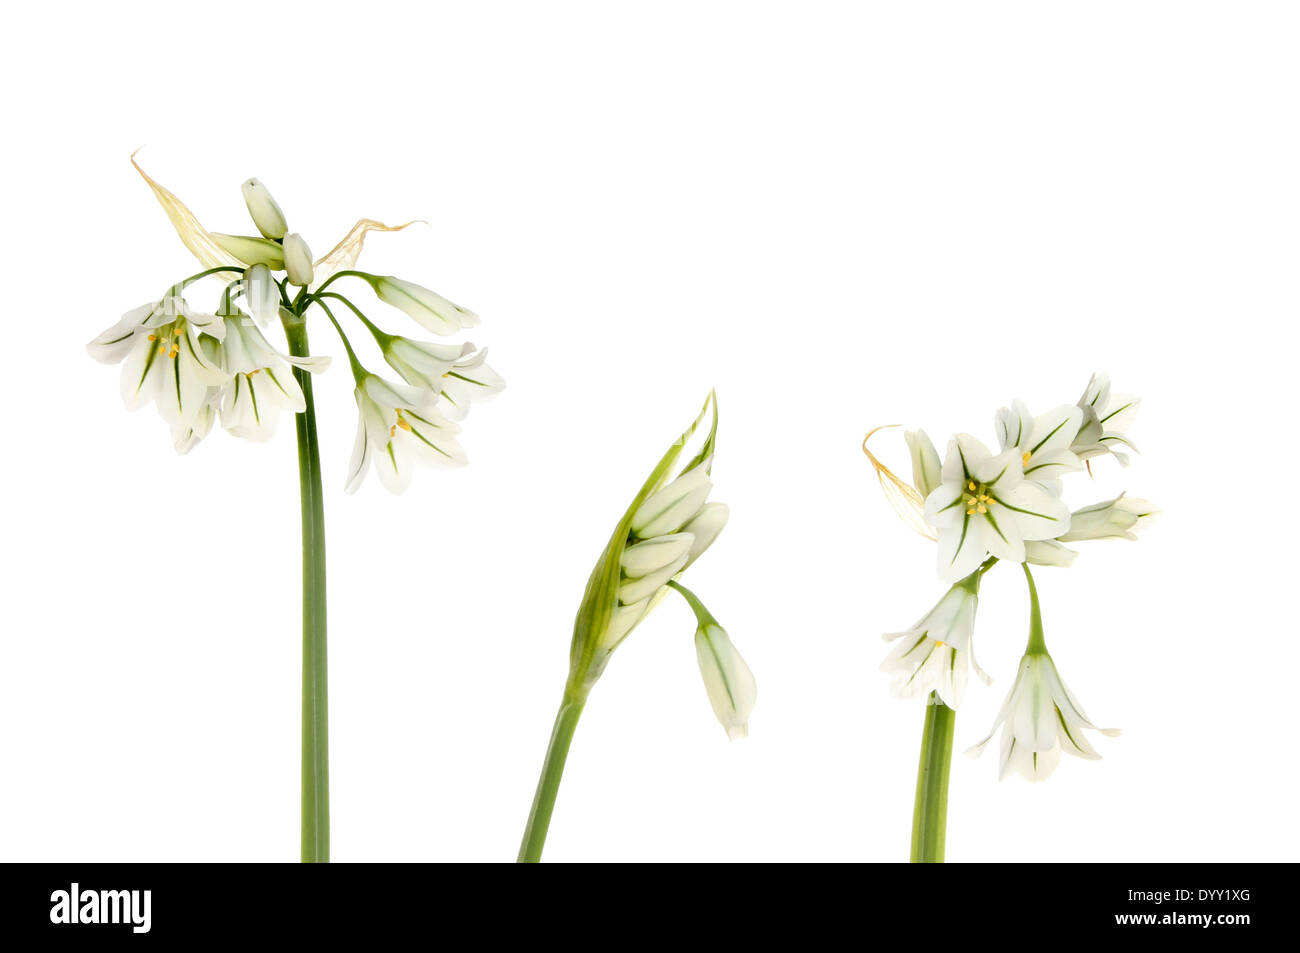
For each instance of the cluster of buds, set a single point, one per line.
(196, 366)
(667, 527)
(982, 507)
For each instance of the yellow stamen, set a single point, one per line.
(153, 337)
(971, 511)
(402, 422)
(939, 643)
(392, 431)
(1024, 460)
(176, 333)
(982, 508)
(173, 352)
(162, 348)
(970, 485)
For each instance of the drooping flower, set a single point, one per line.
(397, 427)
(261, 383)
(1039, 720)
(936, 654)
(728, 680)
(1119, 518)
(469, 380)
(1043, 441)
(428, 308)
(985, 506)
(1106, 417)
(164, 362)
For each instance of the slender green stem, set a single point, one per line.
(1037, 644)
(930, 816)
(548, 785)
(315, 717)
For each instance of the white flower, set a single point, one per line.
(986, 506)
(1043, 442)
(1106, 417)
(164, 361)
(469, 380)
(935, 655)
(728, 680)
(1118, 518)
(422, 363)
(431, 310)
(297, 260)
(398, 427)
(250, 250)
(265, 211)
(1048, 552)
(927, 472)
(1040, 718)
(261, 384)
(261, 294)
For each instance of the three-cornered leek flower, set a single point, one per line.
(985, 507)
(668, 525)
(195, 366)
(982, 508)
(936, 654)
(1039, 720)
(1106, 419)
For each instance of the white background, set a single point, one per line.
(840, 215)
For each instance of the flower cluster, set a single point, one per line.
(983, 506)
(195, 366)
(668, 526)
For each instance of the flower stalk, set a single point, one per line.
(548, 785)
(315, 673)
(930, 814)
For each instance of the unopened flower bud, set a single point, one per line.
(261, 294)
(668, 509)
(642, 559)
(252, 251)
(927, 471)
(727, 679)
(634, 590)
(263, 208)
(297, 260)
(1119, 517)
(431, 310)
(705, 527)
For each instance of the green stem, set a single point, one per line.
(548, 785)
(1037, 644)
(930, 817)
(315, 717)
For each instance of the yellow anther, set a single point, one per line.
(970, 485)
(173, 352)
(982, 508)
(153, 337)
(1024, 460)
(162, 348)
(971, 500)
(392, 431)
(402, 422)
(971, 511)
(939, 643)
(256, 370)
(176, 333)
